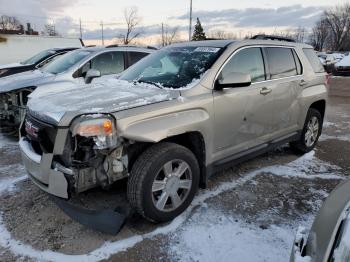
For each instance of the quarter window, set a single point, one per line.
(281, 62)
(314, 61)
(136, 56)
(248, 61)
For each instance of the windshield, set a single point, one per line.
(173, 67)
(38, 57)
(65, 62)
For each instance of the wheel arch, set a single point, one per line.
(194, 141)
(320, 106)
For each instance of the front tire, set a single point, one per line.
(163, 182)
(310, 134)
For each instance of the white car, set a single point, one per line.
(343, 66)
(334, 58)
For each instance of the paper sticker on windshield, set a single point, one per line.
(207, 49)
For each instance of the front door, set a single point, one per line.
(243, 115)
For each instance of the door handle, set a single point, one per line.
(265, 91)
(302, 83)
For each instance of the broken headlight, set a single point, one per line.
(101, 130)
(3, 71)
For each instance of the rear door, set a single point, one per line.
(286, 80)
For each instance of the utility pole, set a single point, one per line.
(190, 27)
(163, 44)
(81, 31)
(102, 37)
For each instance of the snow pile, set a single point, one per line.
(5, 142)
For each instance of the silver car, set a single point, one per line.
(175, 118)
(77, 67)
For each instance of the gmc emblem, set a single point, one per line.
(31, 129)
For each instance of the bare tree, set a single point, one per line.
(319, 35)
(169, 35)
(132, 20)
(221, 34)
(338, 21)
(9, 23)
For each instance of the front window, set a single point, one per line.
(248, 61)
(174, 67)
(38, 57)
(66, 61)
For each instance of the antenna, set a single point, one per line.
(190, 27)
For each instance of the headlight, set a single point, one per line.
(3, 71)
(101, 130)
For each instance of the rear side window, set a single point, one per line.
(281, 62)
(136, 56)
(248, 61)
(314, 61)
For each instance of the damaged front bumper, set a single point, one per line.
(51, 180)
(56, 182)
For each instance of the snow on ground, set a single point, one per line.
(214, 236)
(203, 234)
(5, 142)
(211, 235)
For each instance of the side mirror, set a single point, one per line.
(91, 74)
(233, 80)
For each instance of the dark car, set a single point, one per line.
(33, 62)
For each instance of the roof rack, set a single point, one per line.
(116, 45)
(273, 37)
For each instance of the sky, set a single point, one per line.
(236, 17)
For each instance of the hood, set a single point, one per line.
(25, 79)
(11, 65)
(344, 62)
(107, 97)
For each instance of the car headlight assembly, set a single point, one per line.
(101, 130)
(3, 71)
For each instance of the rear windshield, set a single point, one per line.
(38, 57)
(314, 60)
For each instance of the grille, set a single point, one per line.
(42, 135)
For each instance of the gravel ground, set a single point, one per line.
(251, 211)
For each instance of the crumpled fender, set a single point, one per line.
(158, 128)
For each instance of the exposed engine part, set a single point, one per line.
(98, 167)
(116, 165)
(13, 106)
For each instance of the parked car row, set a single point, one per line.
(336, 63)
(60, 71)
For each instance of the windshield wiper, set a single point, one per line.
(149, 82)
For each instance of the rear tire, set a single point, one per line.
(163, 182)
(310, 134)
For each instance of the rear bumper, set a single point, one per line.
(39, 168)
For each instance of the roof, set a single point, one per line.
(119, 48)
(225, 43)
(207, 43)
